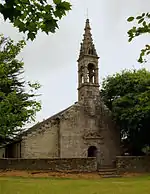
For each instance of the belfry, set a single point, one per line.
(88, 78)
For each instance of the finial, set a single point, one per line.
(87, 14)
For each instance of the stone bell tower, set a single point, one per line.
(88, 78)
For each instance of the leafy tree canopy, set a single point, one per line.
(17, 107)
(30, 16)
(142, 27)
(127, 95)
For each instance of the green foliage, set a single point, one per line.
(143, 22)
(17, 107)
(127, 95)
(146, 150)
(30, 16)
(130, 19)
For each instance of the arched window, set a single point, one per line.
(92, 151)
(82, 79)
(91, 73)
(81, 75)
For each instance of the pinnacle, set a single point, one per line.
(87, 26)
(87, 45)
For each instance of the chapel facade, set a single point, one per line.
(84, 129)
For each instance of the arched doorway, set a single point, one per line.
(92, 151)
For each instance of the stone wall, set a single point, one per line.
(111, 134)
(133, 164)
(71, 134)
(81, 128)
(41, 142)
(73, 165)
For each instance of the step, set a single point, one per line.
(111, 176)
(106, 166)
(107, 170)
(107, 173)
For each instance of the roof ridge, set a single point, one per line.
(40, 124)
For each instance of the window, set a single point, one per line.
(82, 79)
(81, 75)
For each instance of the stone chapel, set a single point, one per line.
(83, 130)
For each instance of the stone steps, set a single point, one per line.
(112, 176)
(108, 173)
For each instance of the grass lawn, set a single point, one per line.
(136, 185)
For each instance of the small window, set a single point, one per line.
(82, 79)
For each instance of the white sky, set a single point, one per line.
(51, 60)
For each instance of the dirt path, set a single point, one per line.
(57, 174)
(48, 174)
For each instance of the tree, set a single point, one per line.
(127, 95)
(17, 107)
(31, 16)
(143, 22)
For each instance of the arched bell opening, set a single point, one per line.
(91, 73)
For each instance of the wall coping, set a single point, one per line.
(90, 158)
(132, 156)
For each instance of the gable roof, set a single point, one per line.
(36, 127)
(44, 122)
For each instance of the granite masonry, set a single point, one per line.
(50, 165)
(133, 164)
(83, 130)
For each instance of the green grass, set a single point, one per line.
(138, 185)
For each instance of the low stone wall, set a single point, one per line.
(68, 164)
(133, 164)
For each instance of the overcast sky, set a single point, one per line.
(51, 60)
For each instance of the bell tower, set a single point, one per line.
(88, 78)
